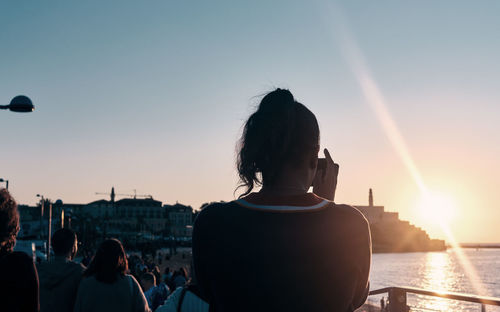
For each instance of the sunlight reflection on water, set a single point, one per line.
(437, 276)
(437, 271)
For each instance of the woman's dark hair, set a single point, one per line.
(9, 222)
(281, 131)
(109, 262)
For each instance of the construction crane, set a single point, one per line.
(113, 194)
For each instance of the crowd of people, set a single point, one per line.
(282, 248)
(111, 281)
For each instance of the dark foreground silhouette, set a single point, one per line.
(18, 275)
(282, 249)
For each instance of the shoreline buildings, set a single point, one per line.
(390, 234)
(134, 220)
(139, 221)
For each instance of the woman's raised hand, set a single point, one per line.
(325, 181)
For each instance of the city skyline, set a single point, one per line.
(153, 98)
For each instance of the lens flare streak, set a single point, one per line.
(377, 102)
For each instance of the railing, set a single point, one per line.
(397, 297)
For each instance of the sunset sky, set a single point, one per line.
(152, 96)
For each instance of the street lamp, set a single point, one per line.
(6, 183)
(49, 234)
(20, 104)
(42, 203)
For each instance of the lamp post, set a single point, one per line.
(6, 183)
(49, 234)
(49, 230)
(20, 104)
(41, 213)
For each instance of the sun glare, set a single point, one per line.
(436, 208)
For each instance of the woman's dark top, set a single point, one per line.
(294, 253)
(18, 283)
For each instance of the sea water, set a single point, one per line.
(467, 271)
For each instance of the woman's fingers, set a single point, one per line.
(328, 156)
(330, 163)
(325, 183)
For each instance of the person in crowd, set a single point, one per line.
(86, 258)
(160, 257)
(157, 273)
(106, 286)
(60, 277)
(282, 248)
(179, 278)
(151, 291)
(164, 290)
(18, 275)
(167, 275)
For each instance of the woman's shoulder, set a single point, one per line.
(18, 255)
(17, 265)
(213, 215)
(123, 281)
(18, 259)
(88, 281)
(129, 278)
(215, 209)
(215, 206)
(132, 283)
(346, 212)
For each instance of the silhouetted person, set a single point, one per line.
(282, 249)
(106, 287)
(179, 278)
(60, 277)
(86, 258)
(164, 290)
(152, 292)
(18, 276)
(167, 275)
(148, 283)
(157, 274)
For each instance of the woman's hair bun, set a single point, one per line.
(276, 101)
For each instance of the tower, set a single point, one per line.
(370, 198)
(113, 194)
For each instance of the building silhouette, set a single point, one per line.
(137, 220)
(390, 234)
(132, 220)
